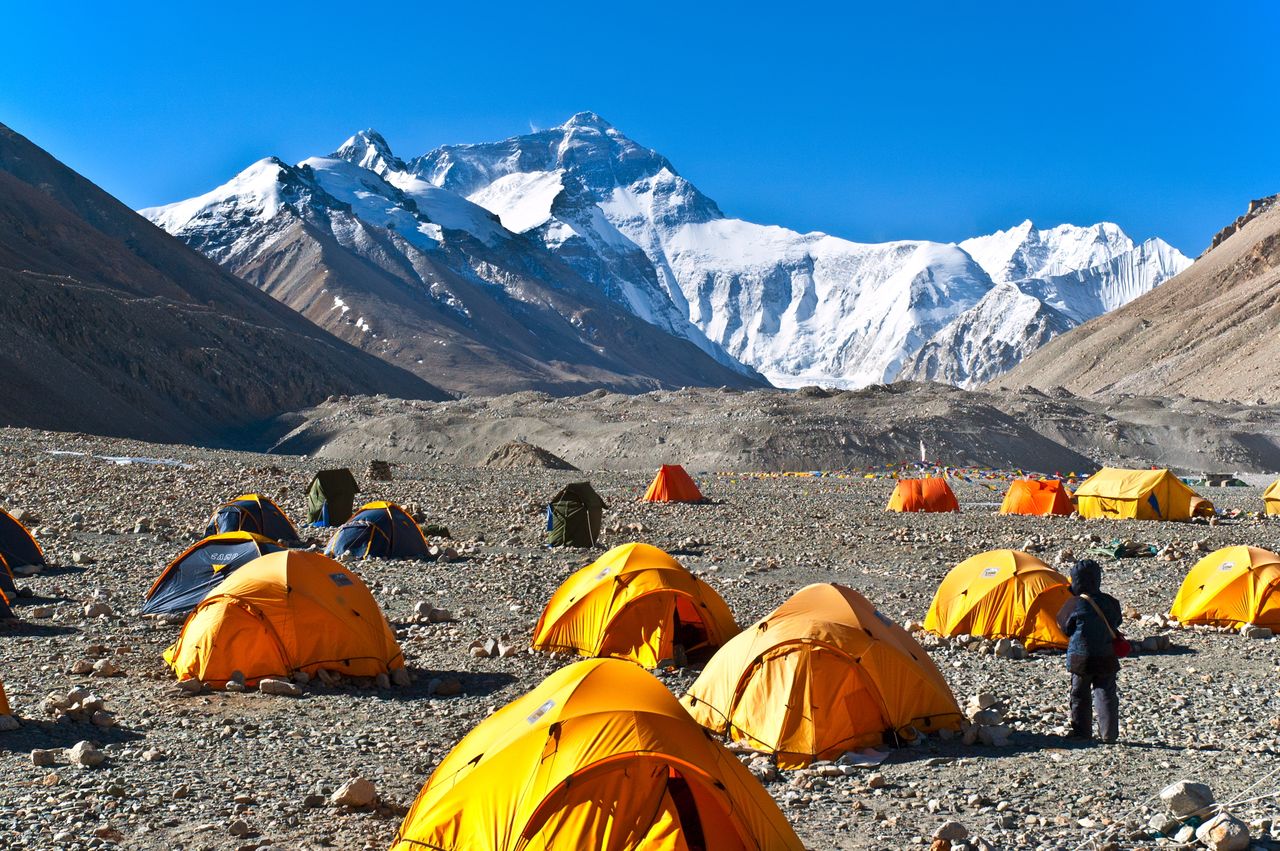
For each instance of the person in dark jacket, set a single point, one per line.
(1091, 619)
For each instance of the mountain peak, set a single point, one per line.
(587, 120)
(368, 149)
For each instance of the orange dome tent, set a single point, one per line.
(281, 613)
(1001, 594)
(634, 602)
(599, 756)
(1040, 497)
(672, 484)
(252, 512)
(922, 495)
(1231, 587)
(1271, 498)
(822, 674)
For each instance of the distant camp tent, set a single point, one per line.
(574, 516)
(822, 674)
(1134, 494)
(6, 610)
(1231, 587)
(1001, 594)
(18, 547)
(1201, 507)
(252, 512)
(599, 756)
(634, 602)
(913, 495)
(331, 496)
(4, 701)
(1041, 497)
(379, 530)
(282, 613)
(672, 484)
(201, 567)
(1271, 498)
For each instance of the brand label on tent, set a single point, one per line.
(340, 579)
(540, 711)
(221, 559)
(1227, 565)
(603, 573)
(990, 572)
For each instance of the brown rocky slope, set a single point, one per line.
(1207, 333)
(112, 326)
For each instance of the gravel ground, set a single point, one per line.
(224, 770)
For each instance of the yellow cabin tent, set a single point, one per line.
(1001, 594)
(1271, 498)
(822, 674)
(599, 756)
(1135, 494)
(1231, 587)
(282, 613)
(634, 602)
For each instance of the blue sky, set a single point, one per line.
(868, 121)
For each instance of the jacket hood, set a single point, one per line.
(1086, 578)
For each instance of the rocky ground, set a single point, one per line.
(245, 770)
(807, 429)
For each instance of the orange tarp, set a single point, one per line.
(282, 613)
(923, 495)
(1036, 496)
(672, 484)
(599, 756)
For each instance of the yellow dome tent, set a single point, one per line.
(1001, 594)
(281, 613)
(634, 602)
(599, 756)
(1134, 494)
(1271, 498)
(1231, 587)
(822, 674)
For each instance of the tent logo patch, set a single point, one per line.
(340, 579)
(1227, 565)
(990, 572)
(540, 711)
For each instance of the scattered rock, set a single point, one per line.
(85, 755)
(356, 792)
(283, 688)
(1186, 798)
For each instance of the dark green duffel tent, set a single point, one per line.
(574, 516)
(331, 497)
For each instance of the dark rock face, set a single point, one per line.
(112, 326)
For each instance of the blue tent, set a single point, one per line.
(379, 530)
(252, 513)
(191, 576)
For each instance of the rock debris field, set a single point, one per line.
(337, 765)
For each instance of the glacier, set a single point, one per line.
(798, 308)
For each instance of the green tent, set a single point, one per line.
(331, 497)
(575, 516)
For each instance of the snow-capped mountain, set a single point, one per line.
(801, 308)
(426, 279)
(1049, 282)
(580, 213)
